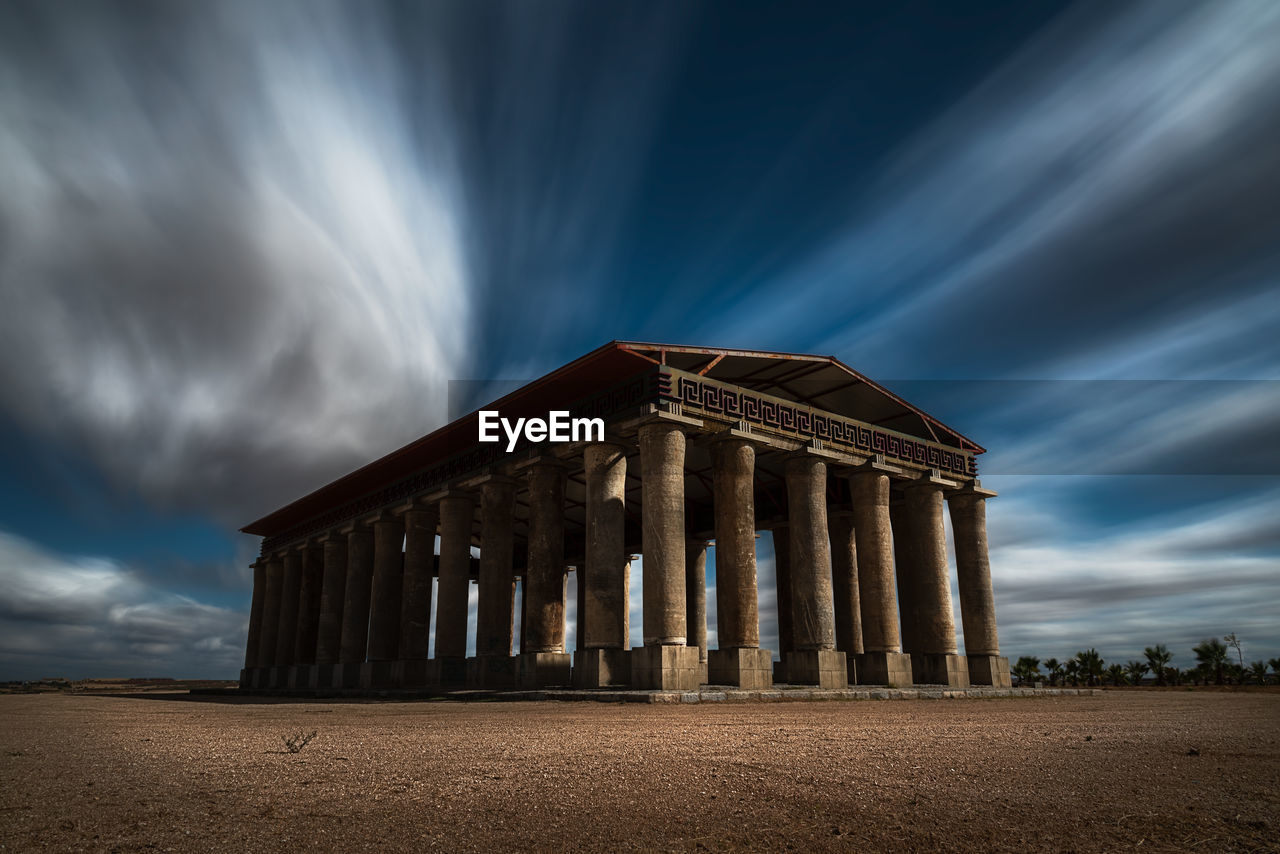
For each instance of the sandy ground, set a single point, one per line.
(1061, 774)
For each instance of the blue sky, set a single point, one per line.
(244, 248)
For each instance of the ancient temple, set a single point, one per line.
(702, 449)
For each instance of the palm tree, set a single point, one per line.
(1072, 670)
(1258, 670)
(1054, 667)
(1274, 664)
(1116, 674)
(1158, 658)
(1212, 656)
(1027, 669)
(1090, 665)
(1135, 669)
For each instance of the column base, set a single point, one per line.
(824, 668)
(447, 672)
(602, 668)
(259, 677)
(299, 678)
(780, 671)
(491, 671)
(411, 673)
(884, 668)
(278, 677)
(320, 676)
(742, 667)
(665, 667)
(544, 669)
(245, 678)
(347, 674)
(990, 670)
(375, 675)
(932, 668)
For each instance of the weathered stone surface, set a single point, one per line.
(782, 579)
(457, 511)
(812, 608)
(825, 668)
(844, 589)
(386, 591)
(933, 615)
(877, 596)
(255, 621)
(940, 669)
(419, 568)
(448, 670)
(737, 617)
(662, 447)
(973, 570)
(494, 626)
(602, 668)
(491, 671)
(544, 670)
(695, 573)
(411, 673)
(378, 675)
(355, 607)
(990, 670)
(884, 668)
(743, 667)
(289, 594)
(332, 596)
(907, 568)
(665, 667)
(304, 651)
(605, 614)
(542, 629)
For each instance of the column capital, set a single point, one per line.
(932, 479)
(538, 461)
(972, 489)
(875, 465)
(661, 416)
(449, 492)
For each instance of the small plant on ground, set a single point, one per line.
(294, 743)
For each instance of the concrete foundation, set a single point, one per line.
(940, 669)
(602, 668)
(885, 668)
(411, 673)
(320, 676)
(990, 670)
(378, 674)
(665, 667)
(824, 668)
(544, 670)
(491, 671)
(447, 671)
(742, 667)
(347, 675)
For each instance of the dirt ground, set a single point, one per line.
(1164, 770)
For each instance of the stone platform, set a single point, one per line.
(707, 694)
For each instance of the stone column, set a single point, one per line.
(882, 661)
(332, 595)
(415, 595)
(906, 563)
(355, 608)
(493, 666)
(304, 652)
(782, 583)
(738, 659)
(384, 603)
(254, 640)
(603, 618)
(543, 660)
(270, 617)
(664, 662)
(815, 660)
(695, 588)
(937, 661)
(844, 588)
(289, 596)
(968, 509)
(457, 510)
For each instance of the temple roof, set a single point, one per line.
(820, 382)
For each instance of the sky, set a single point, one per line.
(245, 247)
